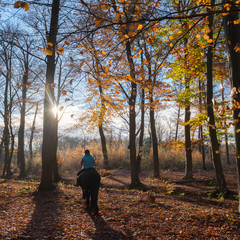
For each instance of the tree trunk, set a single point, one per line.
(225, 131)
(21, 131)
(140, 144)
(6, 135)
(1, 148)
(104, 147)
(202, 147)
(49, 145)
(210, 113)
(188, 147)
(187, 130)
(232, 33)
(30, 163)
(100, 127)
(135, 181)
(156, 173)
(177, 123)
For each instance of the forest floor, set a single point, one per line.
(169, 209)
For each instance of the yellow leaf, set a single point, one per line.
(206, 37)
(165, 40)
(140, 26)
(50, 44)
(170, 37)
(110, 62)
(126, 36)
(103, 52)
(198, 36)
(238, 131)
(60, 50)
(217, 152)
(171, 44)
(179, 32)
(209, 40)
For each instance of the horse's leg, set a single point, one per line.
(84, 192)
(87, 200)
(94, 199)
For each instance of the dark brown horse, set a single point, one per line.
(89, 180)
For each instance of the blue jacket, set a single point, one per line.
(88, 161)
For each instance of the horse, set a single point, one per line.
(89, 181)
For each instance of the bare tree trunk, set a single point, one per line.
(202, 147)
(225, 131)
(211, 121)
(177, 123)
(104, 148)
(100, 127)
(1, 148)
(232, 33)
(135, 181)
(49, 145)
(21, 131)
(30, 163)
(156, 173)
(188, 147)
(141, 135)
(6, 135)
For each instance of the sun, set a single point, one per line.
(57, 111)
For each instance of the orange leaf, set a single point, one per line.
(48, 52)
(60, 50)
(21, 4)
(140, 26)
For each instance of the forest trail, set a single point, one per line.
(169, 209)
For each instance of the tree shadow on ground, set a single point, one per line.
(105, 231)
(45, 222)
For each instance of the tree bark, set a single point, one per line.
(202, 147)
(225, 132)
(30, 163)
(187, 129)
(135, 181)
(21, 131)
(232, 33)
(188, 147)
(177, 123)
(141, 135)
(156, 171)
(211, 121)
(49, 144)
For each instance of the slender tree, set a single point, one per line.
(210, 112)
